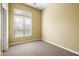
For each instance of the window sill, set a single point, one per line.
(23, 36)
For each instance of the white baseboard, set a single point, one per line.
(25, 41)
(75, 52)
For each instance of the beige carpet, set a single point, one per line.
(37, 48)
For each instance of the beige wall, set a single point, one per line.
(36, 23)
(60, 24)
(0, 29)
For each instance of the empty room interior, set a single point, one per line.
(39, 29)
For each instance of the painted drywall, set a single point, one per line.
(60, 25)
(0, 29)
(36, 23)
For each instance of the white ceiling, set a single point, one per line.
(40, 6)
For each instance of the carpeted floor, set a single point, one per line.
(37, 48)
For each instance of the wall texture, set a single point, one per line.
(60, 25)
(36, 23)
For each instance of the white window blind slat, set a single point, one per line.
(22, 12)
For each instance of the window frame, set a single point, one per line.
(30, 34)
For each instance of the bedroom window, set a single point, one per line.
(22, 23)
